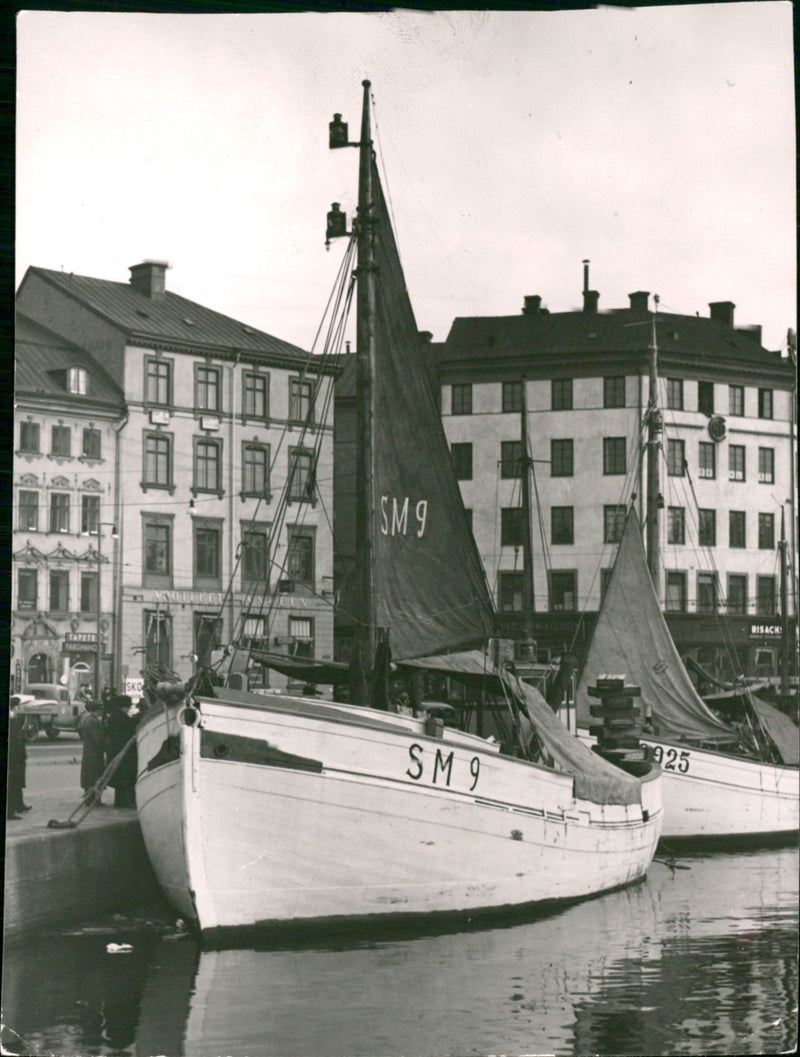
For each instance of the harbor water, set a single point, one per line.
(700, 958)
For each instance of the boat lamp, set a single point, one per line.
(337, 133)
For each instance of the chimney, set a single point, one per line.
(425, 337)
(532, 306)
(639, 301)
(753, 333)
(722, 312)
(149, 277)
(590, 299)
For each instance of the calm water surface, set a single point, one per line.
(697, 960)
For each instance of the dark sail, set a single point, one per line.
(429, 585)
(632, 638)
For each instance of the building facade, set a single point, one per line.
(571, 389)
(220, 506)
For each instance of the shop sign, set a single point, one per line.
(134, 688)
(215, 598)
(765, 631)
(80, 642)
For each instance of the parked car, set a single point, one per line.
(49, 707)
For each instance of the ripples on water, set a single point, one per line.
(693, 961)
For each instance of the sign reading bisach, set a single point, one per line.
(766, 631)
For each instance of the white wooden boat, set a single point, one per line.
(268, 810)
(719, 781)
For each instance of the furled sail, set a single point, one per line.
(429, 584)
(631, 637)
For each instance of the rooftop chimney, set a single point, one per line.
(722, 312)
(639, 301)
(532, 306)
(149, 277)
(752, 332)
(590, 299)
(585, 276)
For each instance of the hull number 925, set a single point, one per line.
(672, 759)
(438, 769)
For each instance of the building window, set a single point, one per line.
(59, 512)
(207, 636)
(707, 528)
(614, 455)
(157, 536)
(300, 558)
(91, 443)
(736, 462)
(675, 600)
(676, 525)
(77, 381)
(766, 465)
(563, 591)
(765, 403)
(27, 589)
(736, 528)
(256, 396)
(157, 460)
(462, 461)
(301, 408)
(254, 632)
(207, 464)
(158, 637)
(511, 590)
(705, 398)
(255, 555)
(765, 596)
(28, 512)
(29, 437)
(766, 532)
(676, 458)
(90, 513)
(511, 458)
(512, 396)
(301, 632)
(60, 441)
(737, 593)
(613, 523)
(675, 394)
(206, 388)
(736, 400)
(708, 460)
(614, 391)
(301, 475)
(207, 553)
(255, 470)
(59, 591)
(461, 402)
(562, 527)
(561, 458)
(157, 381)
(90, 599)
(512, 526)
(706, 592)
(561, 394)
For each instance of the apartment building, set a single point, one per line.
(573, 387)
(219, 507)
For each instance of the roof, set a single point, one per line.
(41, 358)
(168, 317)
(488, 339)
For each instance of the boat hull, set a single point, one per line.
(298, 812)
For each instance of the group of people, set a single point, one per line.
(106, 728)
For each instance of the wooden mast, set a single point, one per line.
(784, 613)
(528, 597)
(364, 641)
(655, 500)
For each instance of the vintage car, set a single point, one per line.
(48, 707)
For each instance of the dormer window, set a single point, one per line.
(77, 381)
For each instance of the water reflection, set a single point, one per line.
(695, 961)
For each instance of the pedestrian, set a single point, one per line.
(17, 757)
(93, 756)
(120, 728)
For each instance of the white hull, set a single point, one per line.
(717, 796)
(354, 813)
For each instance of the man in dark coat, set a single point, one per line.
(17, 756)
(93, 757)
(120, 728)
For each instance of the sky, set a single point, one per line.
(658, 143)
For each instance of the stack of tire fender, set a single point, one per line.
(618, 724)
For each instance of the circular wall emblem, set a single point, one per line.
(716, 428)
